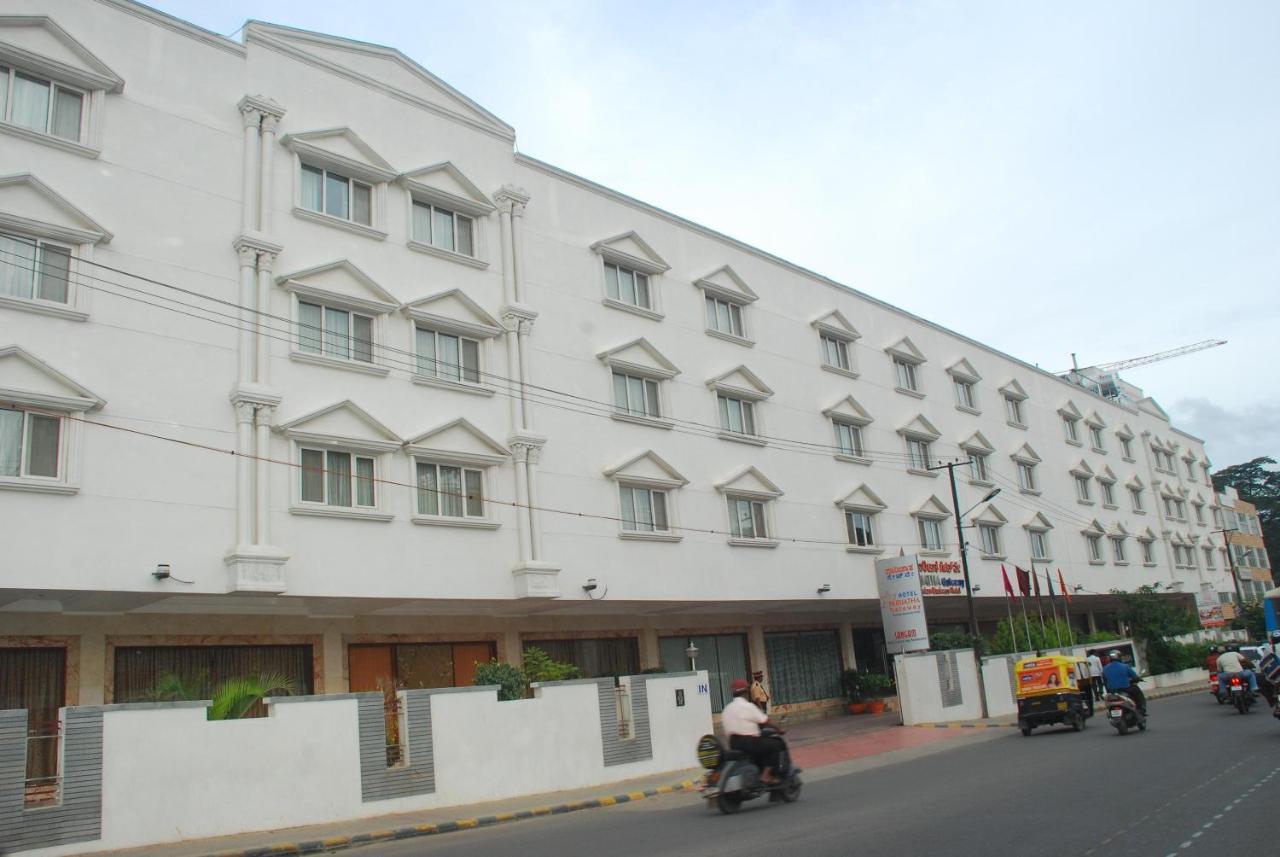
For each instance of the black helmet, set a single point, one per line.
(1275, 636)
(1233, 647)
(1213, 650)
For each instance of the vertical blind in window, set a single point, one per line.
(612, 656)
(723, 656)
(203, 668)
(31, 269)
(803, 665)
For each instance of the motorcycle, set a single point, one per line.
(1216, 689)
(1123, 713)
(1241, 696)
(732, 777)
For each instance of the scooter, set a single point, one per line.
(1241, 696)
(732, 777)
(1216, 690)
(1123, 713)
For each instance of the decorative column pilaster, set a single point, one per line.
(517, 241)
(535, 522)
(270, 122)
(505, 204)
(522, 338)
(263, 420)
(510, 337)
(520, 458)
(266, 264)
(251, 120)
(244, 472)
(248, 255)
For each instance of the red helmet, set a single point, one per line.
(739, 685)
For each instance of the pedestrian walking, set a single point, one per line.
(759, 695)
(1095, 676)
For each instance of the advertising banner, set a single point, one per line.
(901, 604)
(1210, 609)
(941, 577)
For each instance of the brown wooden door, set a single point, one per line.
(366, 665)
(465, 656)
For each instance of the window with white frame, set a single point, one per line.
(1148, 552)
(444, 229)
(966, 393)
(978, 469)
(1199, 510)
(1208, 558)
(450, 490)
(1217, 517)
(918, 453)
(1095, 438)
(1071, 429)
(327, 192)
(1039, 544)
(835, 352)
(636, 396)
(860, 527)
(736, 415)
(447, 356)
(1108, 489)
(1095, 547)
(1191, 467)
(644, 510)
(724, 316)
(333, 477)
(334, 332)
(1135, 497)
(627, 286)
(848, 438)
(930, 533)
(1169, 509)
(34, 269)
(747, 519)
(41, 105)
(906, 373)
(1117, 549)
(1013, 410)
(990, 537)
(1082, 489)
(1126, 447)
(1026, 475)
(30, 444)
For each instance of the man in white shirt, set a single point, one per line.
(1230, 662)
(741, 720)
(1095, 676)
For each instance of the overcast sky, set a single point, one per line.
(1099, 178)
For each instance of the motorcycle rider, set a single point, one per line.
(1211, 662)
(742, 720)
(1122, 678)
(1230, 663)
(1266, 650)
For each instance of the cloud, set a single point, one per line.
(1232, 436)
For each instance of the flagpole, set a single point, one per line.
(1026, 623)
(1008, 606)
(1035, 585)
(1053, 605)
(1066, 607)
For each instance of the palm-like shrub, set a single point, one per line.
(235, 697)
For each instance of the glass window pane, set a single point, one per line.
(336, 191)
(338, 479)
(635, 395)
(625, 494)
(337, 339)
(364, 482)
(361, 203)
(711, 313)
(362, 338)
(723, 323)
(422, 223)
(312, 188)
(643, 510)
(17, 266)
(4, 92)
(651, 398)
(735, 415)
(642, 290)
(466, 245)
(42, 447)
(66, 114)
(55, 269)
(626, 286)
(735, 318)
(451, 491)
(426, 352)
(471, 361)
(724, 412)
(660, 511)
(30, 103)
(611, 281)
(475, 494)
(313, 476)
(448, 357)
(442, 228)
(620, 391)
(757, 510)
(10, 441)
(428, 496)
(749, 417)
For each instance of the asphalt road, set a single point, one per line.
(1202, 780)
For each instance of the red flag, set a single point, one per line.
(1048, 581)
(1008, 589)
(1066, 593)
(1024, 580)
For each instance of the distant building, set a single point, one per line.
(1248, 551)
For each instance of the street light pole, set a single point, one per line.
(1231, 563)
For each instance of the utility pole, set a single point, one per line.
(968, 584)
(1231, 563)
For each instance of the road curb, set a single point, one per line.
(964, 725)
(341, 843)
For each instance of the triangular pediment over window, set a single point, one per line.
(1081, 468)
(1125, 432)
(27, 379)
(1135, 482)
(1094, 419)
(1106, 475)
(932, 508)
(862, 498)
(848, 410)
(1146, 535)
(452, 310)
(343, 150)
(990, 515)
(963, 370)
(458, 440)
(342, 424)
(1070, 411)
(837, 325)
(39, 44)
(1011, 389)
(340, 282)
(977, 442)
(444, 183)
(1117, 529)
(30, 206)
(381, 68)
(1037, 521)
(631, 251)
(920, 427)
(1027, 454)
(749, 482)
(724, 282)
(741, 381)
(647, 468)
(639, 354)
(1152, 407)
(905, 349)
(1094, 529)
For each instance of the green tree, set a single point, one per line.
(1005, 642)
(1258, 482)
(1251, 618)
(1152, 619)
(538, 666)
(235, 697)
(509, 678)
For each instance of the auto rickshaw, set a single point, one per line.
(1048, 692)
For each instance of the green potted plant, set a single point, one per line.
(851, 682)
(877, 686)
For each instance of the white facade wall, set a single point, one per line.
(167, 184)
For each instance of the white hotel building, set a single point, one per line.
(478, 402)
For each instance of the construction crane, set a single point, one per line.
(1150, 358)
